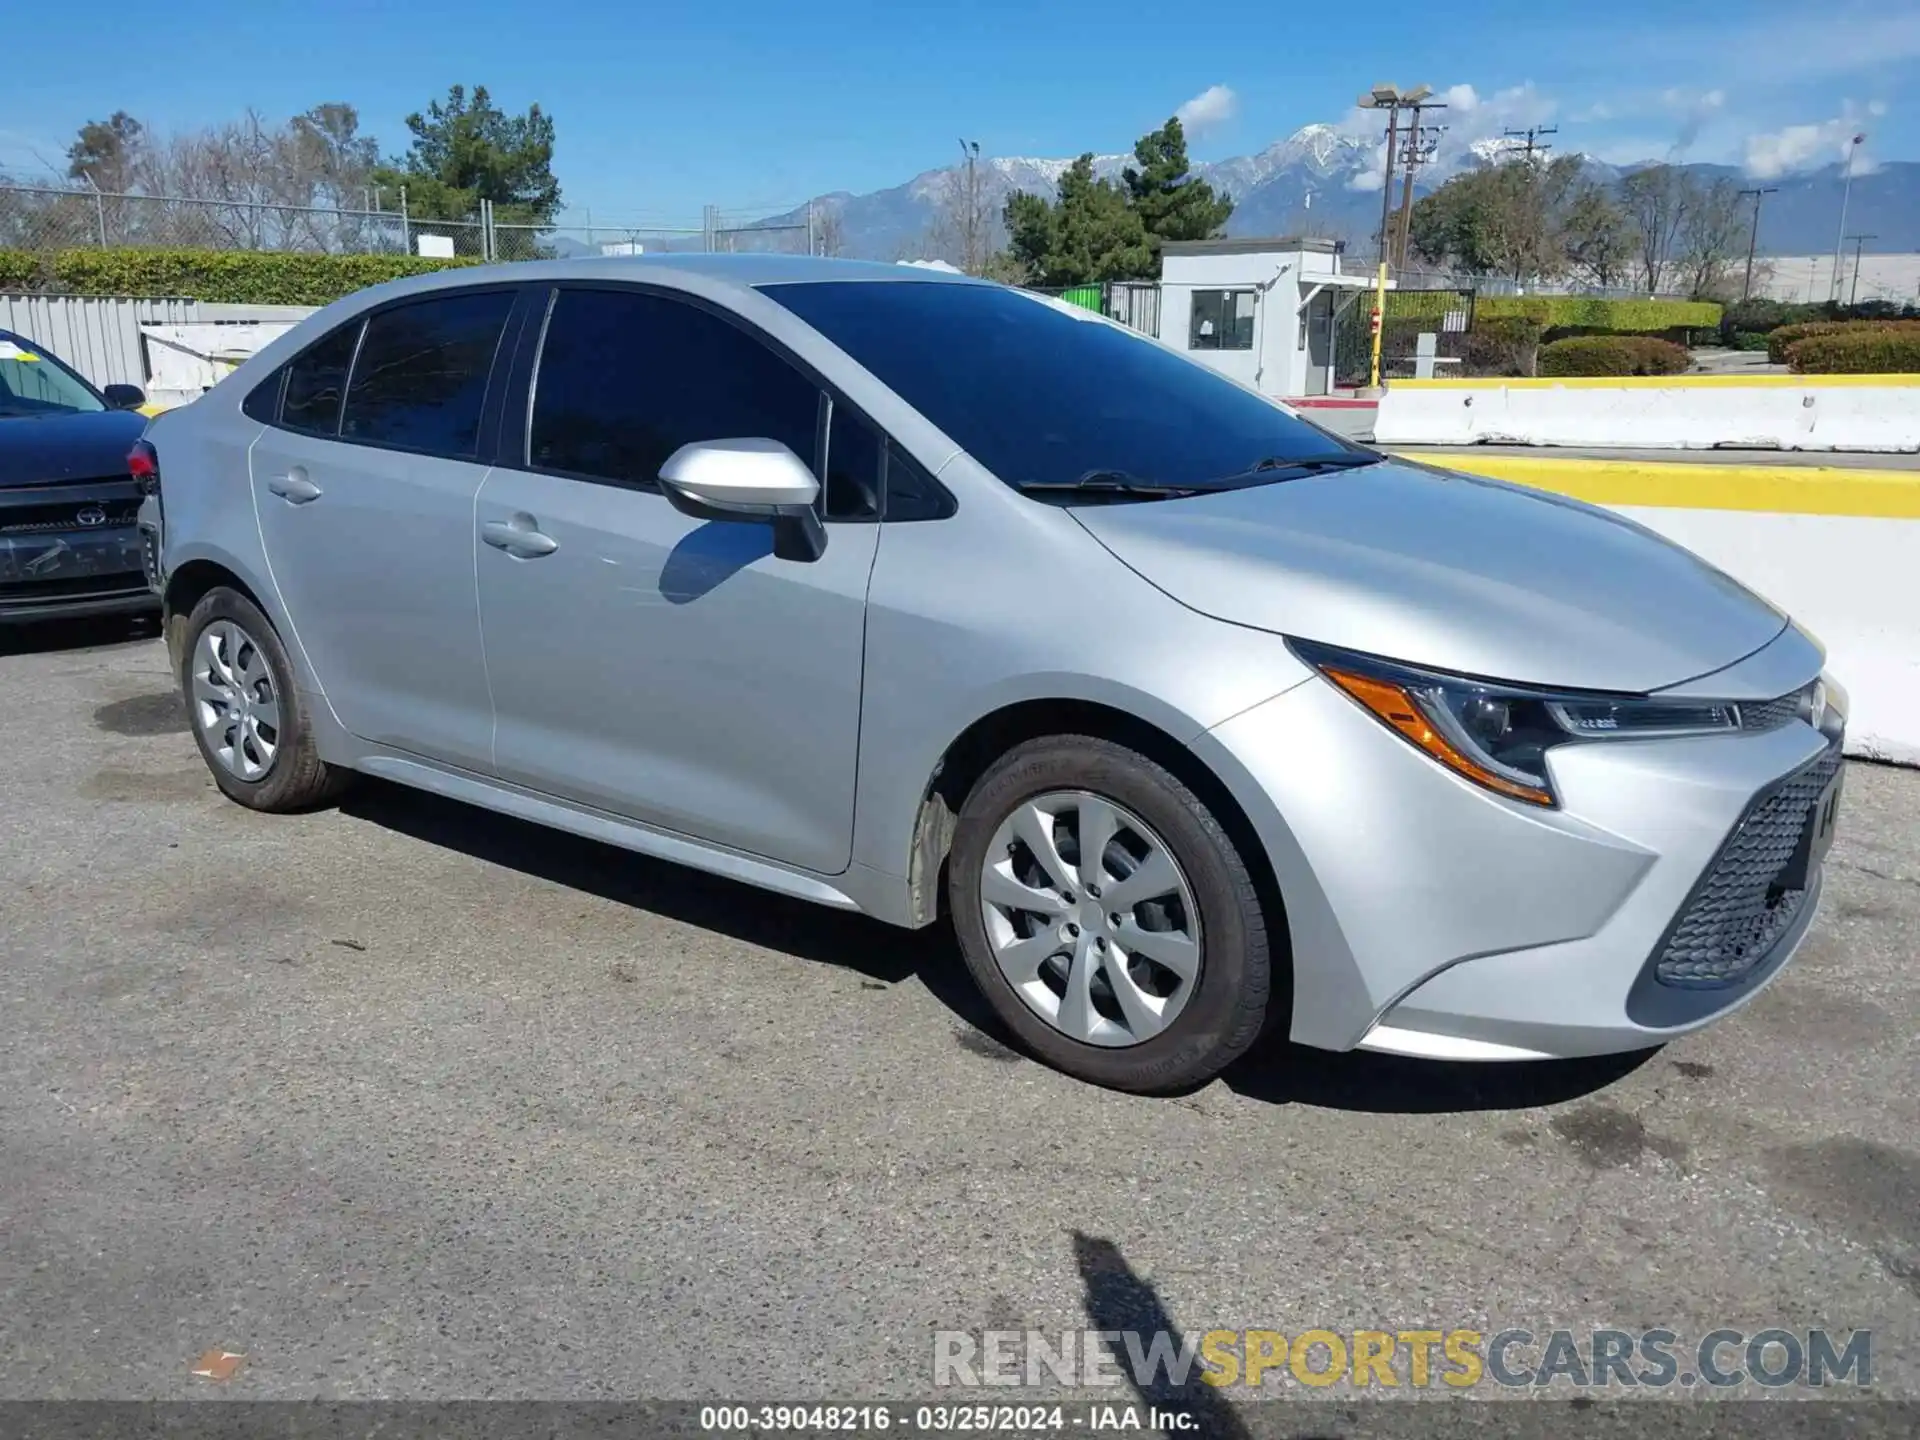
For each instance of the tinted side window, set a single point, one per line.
(421, 377)
(316, 379)
(853, 468)
(627, 378)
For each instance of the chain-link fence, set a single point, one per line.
(53, 218)
(45, 218)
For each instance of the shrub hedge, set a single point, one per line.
(1868, 350)
(235, 277)
(1503, 345)
(1780, 342)
(1554, 313)
(1613, 355)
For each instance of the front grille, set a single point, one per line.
(107, 502)
(1738, 911)
(1772, 714)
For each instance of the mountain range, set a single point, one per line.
(1306, 184)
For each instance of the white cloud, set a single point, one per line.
(1213, 106)
(1461, 98)
(1774, 153)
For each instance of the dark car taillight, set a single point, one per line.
(143, 463)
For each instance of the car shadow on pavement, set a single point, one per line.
(1277, 1072)
(885, 954)
(1287, 1074)
(94, 632)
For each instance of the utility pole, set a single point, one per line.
(1392, 100)
(1858, 241)
(970, 259)
(1416, 150)
(1840, 239)
(1532, 136)
(1753, 236)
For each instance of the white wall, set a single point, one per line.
(1849, 581)
(1684, 413)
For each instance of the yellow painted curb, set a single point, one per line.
(1661, 382)
(1782, 489)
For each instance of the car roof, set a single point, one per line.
(698, 271)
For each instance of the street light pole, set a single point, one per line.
(1753, 238)
(1840, 239)
(1858, 241)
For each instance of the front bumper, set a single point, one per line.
(60, 574)
(1431, 917)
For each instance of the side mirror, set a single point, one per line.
(753, 481)
(124, 397)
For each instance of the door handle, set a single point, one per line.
(520, 537)
(294, 487)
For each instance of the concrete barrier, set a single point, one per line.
(1839, 550)
(1677, 412)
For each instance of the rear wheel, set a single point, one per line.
(247, 714)
(1108, 917)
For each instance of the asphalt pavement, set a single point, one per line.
(404, 1099)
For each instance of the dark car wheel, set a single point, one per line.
(246, 711)
(1107, 916)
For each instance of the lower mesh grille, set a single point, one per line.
(1739, 911)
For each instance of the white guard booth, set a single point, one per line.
(1262, 311)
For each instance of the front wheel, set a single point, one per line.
(1107, 916)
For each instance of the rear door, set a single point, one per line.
(365, 487)
(663, 668)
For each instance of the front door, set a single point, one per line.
(663, 668)
(366, 512)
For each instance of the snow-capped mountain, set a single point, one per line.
(1315, 182)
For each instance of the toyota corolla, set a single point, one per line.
(926, 598)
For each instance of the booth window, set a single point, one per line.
(1222, 320)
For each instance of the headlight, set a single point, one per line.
(1498, 735)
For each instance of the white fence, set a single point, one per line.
(173, 349)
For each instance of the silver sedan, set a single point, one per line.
(942, 602)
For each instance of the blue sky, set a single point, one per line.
(757, 103)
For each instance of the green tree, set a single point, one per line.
(465, 150)
(1091, 232)
(107, 153)
(1506, 218)
(1172, 203)
(1598, 236)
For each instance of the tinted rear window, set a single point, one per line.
(421, 376)
(1035, 394)
(316, 380)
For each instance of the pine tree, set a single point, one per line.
(1172, 203)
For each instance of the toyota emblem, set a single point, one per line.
(92, 515)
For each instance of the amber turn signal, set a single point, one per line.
(1400, 711)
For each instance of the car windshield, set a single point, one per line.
(33, 383)
(1046, 398)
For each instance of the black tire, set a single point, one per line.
(297, 779)
(1228, 1008)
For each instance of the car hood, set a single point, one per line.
(37, 449)
(1448, 571)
